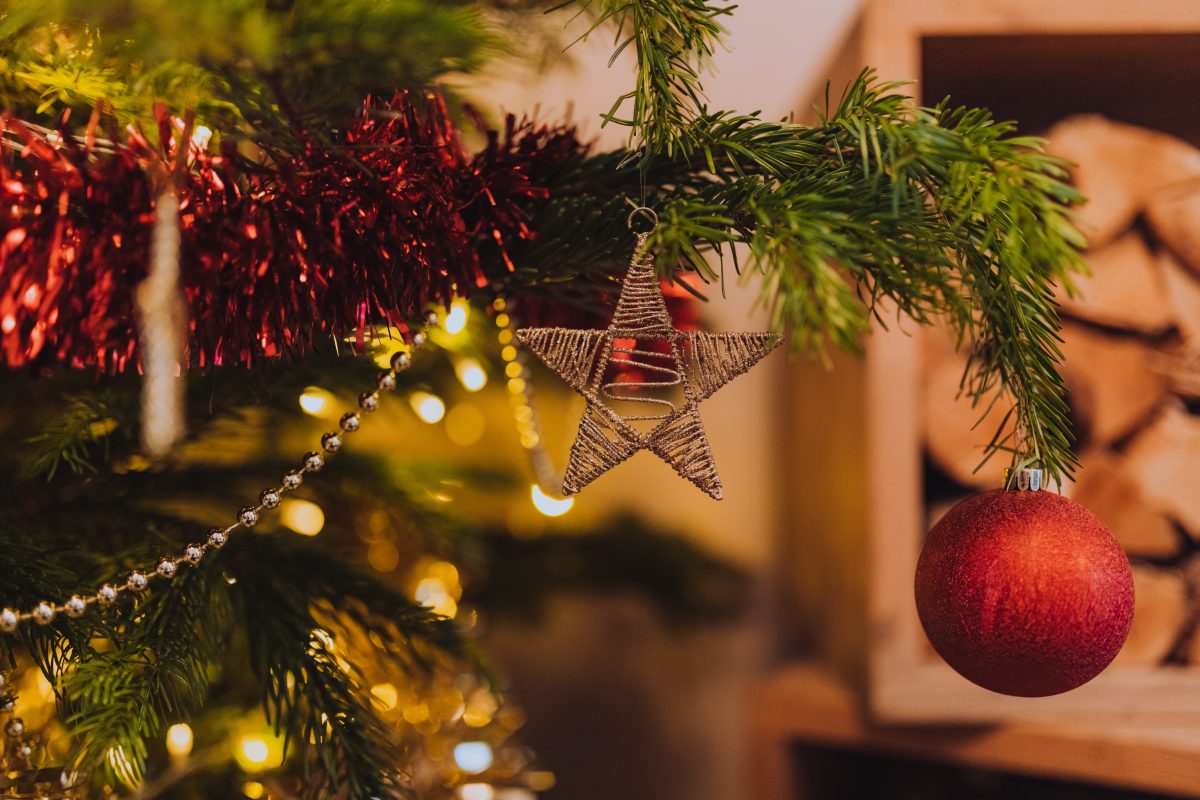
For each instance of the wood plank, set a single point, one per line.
(805, 704)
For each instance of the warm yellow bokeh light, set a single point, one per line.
(465, 425)
(471, 374)
(302, 516)
(201, 136)
(433, 594)
(476, 791)
(416, 714)
(473, 757)
(253, 789)
(385, 695)
(253, 752)
(456, 319)
(383, 556)
(429, 407)
(480, 709)
(550, 506)
(316, 401)
(179, 740)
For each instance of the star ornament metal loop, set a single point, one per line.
(642, 211)
(699, 363)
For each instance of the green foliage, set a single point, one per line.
(84, 429)
(942, 214)
(164, 650)
(671, 40)
(263, 70)
(311, 693)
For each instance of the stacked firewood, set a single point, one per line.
(1132, 370)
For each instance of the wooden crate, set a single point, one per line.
(859, 509)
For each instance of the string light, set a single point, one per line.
(433, 594)
(470, 374)
(201, 136)
(302, 516)
(456, 320)
(429, 407)
(480, 709)
(476, 791)
(550, 506)
(179, 740)
(473, 757)
(314, 400)
(254, 790)
(253, 752)
(385, 695)
(270, 498)
(520, 397)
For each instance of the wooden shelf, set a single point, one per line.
(804, 704)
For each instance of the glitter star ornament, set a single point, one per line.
(640, 353)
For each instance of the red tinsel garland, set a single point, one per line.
(274, 258)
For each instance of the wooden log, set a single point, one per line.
(1114, 382)
(1164, 461)
(955, 443)
(1103, 486)
(1174, 216)
(1183, 293)
(1159, 615)
(1118, 167)
(1182, 368)
(1124, 290)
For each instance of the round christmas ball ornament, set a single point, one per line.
(1025, 593)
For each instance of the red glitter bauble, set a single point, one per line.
(1024, 592)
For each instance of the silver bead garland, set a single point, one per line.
(139, 580)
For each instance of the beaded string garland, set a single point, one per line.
(19, 746)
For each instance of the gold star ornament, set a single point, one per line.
(643, 381)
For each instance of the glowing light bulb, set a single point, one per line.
(302, 516)
(253, 789)
(471, 374)
(385, 695)
(456, 319)
(179, 740)
(550, 506)
(476, 791)
(201, 136)
(473, 757)
(253, 752)
(429, 407)
(315, 400)
(433, 594)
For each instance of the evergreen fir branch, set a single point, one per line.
(940, 214)
(158, 667)
(83, 432)
(671, 40)
(250, 69)
(311, 693)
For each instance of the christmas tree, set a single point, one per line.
(215, 209)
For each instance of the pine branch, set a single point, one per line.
(221, 58)
(83, 432)
(671, 40)
(311, 693)
(163, 651)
